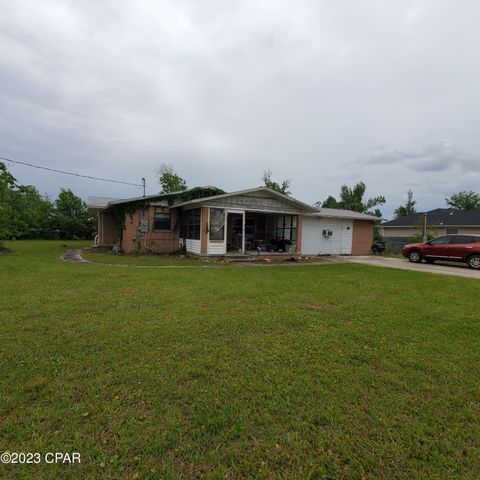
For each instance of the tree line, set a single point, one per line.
(25, 213)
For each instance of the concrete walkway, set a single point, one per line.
(74, 256)
(459, 270)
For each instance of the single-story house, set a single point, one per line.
(441, 221)
(207, 221)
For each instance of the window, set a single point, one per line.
(440, 241)
(287, 227)
(460, 239)
(250, 225)
(451, 231)
(190, 224)
(217, 224)
(161, 221)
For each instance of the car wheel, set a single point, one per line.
(415, 256)
(474, 262)
(430, 260)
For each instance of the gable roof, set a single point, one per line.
(265, 190)
(449, 217)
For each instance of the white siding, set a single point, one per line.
(314, 243)
(193, 246)
(347, 237)
(214, 248)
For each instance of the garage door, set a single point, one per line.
(315, 243)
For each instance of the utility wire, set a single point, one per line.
(74, 174)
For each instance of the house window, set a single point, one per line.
(287, 227)
(451, 231)
(191, 224)
(162, 221)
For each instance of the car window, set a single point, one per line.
(476, 239)
(440, 241)
(460, 239)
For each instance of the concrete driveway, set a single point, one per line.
(459, 270)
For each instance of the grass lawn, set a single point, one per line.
(308, 372)
(146, 260)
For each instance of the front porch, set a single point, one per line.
(246, 232)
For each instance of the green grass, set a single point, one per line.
(308, 372)
(146, 260)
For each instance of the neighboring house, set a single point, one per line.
(203, 221)
(441, 221)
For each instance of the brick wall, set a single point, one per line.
(362, 237)
(156, 241)
(203, 230)
(107, 229)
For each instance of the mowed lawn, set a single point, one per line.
(291, 372)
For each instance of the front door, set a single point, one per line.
(235, 231)
(216, 231)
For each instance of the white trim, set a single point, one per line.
(238, 212)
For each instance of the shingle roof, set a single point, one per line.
(340, 213)
(449, 217)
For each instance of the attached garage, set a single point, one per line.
(326, 236)
(337, 232)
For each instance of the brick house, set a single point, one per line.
(207, 221)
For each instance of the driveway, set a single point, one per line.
(459, 270)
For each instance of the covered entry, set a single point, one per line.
(251, 221)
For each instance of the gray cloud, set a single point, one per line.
(433, 157)
(226, 90)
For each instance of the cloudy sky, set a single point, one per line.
(321, 92)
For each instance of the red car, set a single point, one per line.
(454, 248)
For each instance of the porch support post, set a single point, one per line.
(298, 245)
(204, 225)
(243, 232)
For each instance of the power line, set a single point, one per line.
(75, 174)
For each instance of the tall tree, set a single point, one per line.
(72, 218)
(408, 208)
(352, 199)
(464, 200)
(7, 185)
(32, 213)
(169, 180)
(270, 183)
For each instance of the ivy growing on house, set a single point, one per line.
(120, 211)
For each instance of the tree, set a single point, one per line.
(7, 186)
(268, 182)
(72, 218)
(464, 200)
(408, 208)
(169, 180)
(352, 199)
(330, 202)
(32, 213)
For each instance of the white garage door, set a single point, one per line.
(314, 243)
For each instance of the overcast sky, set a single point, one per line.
(321, 92)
